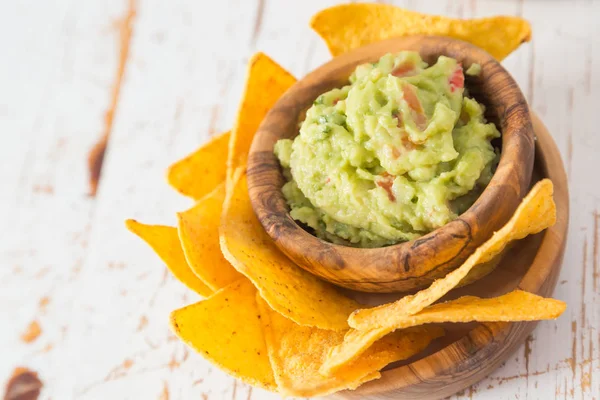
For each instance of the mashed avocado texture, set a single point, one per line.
(397, 153)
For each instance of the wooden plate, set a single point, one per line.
(470, 352)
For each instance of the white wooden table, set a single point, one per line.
(100, 296)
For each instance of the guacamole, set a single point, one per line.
(397, 153)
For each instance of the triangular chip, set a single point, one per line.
(349, 26)
(200, 172)
(198, 230)
(536, 212)
(514, 306)
(226, 330)
(289, 290)
(266, 81)
(297, 353)
(165, 243)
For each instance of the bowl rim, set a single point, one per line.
(508, 186)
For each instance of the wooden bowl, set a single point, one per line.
(417, 263)
(470, 352)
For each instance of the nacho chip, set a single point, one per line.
(165, 243)
(226, 330)
(354, 344)
(200, 172)
(536, 212)
(514, 306)
(289, 290)
(349, 26)
(266, 81)
(198, 230)
(297, 352)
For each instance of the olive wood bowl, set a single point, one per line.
(408, 265)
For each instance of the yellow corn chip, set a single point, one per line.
(201, 171)
(198, 230)
(297, 352)
(354, 344)
(165, 243)
(289, 290)
(536, 212)
(266, 81)
(514, 306)
(226, 330)
(349, 26)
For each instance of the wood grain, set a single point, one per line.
(410, 265)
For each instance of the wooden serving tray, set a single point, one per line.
(470, 352)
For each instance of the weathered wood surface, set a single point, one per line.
(100, 297)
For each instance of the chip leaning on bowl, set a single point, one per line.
(400, 151)
(272, 324)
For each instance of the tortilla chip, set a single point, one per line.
(297, 352)
(266, 82)
(199, 173)
(354, 344)
(198, 230)
(226, 330)
(349, 26)
(165, 243)
(536, 212)
(514, 306)
(289, 290)
(357, 342)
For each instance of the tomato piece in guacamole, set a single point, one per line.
(395, 154)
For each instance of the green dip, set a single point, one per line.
(399, 152)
